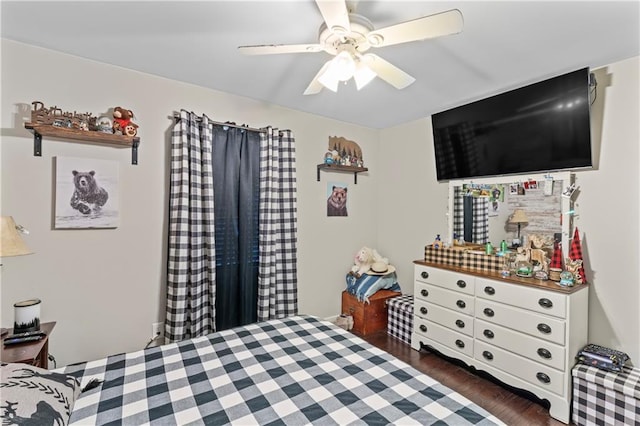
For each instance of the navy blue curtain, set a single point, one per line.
(236, 180)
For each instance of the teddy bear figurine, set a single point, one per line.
(122, 124)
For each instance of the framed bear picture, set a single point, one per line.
(337, 199)
(86, 193)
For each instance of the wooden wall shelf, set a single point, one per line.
(116, 141)
(338, 168)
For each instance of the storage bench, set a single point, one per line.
(367, 317)
(400, 317)
(605, 398)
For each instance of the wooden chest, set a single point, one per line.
(368, 317)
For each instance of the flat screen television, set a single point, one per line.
(541, 127)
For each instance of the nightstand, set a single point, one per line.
(32, 353)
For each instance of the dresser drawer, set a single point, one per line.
(537, 374)
(545, 302)
(447, 279)
(530, 347)
(450, 319)
(452, 339)
(455, 301)
(541, 326)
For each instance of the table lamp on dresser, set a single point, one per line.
(518, 217)
(27, 315)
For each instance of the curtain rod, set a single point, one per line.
(176, 117)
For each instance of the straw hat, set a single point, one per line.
(381, 268)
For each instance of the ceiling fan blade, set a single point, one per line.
(387, 71)
(335, 15)
(315, 86)
(272, 49)
(439, 24)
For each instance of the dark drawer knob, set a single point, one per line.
(544, 328)
(423, 310)
(488, 312)
(460, 343)
(424, 292)
(543, 377)
(461, 304)
(460, 323)
(487, 355)
(545, 303)
(490, 290)
(544, 353)
(424, 274)
(488, 334)
(423, 328)
(461, 284)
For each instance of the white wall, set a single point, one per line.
(607, 205)
(106, 287)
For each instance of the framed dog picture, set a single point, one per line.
(86, 193)
(336, 199)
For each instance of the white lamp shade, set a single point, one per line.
(11, 243)
(343, 66)
(329, 80)
(363, 75)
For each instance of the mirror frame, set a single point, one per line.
(566, 207)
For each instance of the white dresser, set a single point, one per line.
(524, 332)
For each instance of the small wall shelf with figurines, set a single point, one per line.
(343, 156)
(338, 168)
(119, 132)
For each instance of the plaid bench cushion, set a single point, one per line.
(400, 317)
(604, 397)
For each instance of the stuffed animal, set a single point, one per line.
(122, 124)
(364, 259)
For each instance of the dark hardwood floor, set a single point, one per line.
(512, 406)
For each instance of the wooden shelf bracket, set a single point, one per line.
(346, 169)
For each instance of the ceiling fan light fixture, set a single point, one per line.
(363, 75)
(328, 78)
(343, 66)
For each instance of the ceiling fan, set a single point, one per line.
(348, 36)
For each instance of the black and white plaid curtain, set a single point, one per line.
(191, 274)
(476, 216)
(277, 278)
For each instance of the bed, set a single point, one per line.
(293, 371)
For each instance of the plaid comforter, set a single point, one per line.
(294, 371)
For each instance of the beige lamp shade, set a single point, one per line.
(519, 216)
(11, 243)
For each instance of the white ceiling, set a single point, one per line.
(503, 45)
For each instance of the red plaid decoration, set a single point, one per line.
(575, 253)
(556, 259)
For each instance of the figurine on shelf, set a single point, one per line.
(566, 279)
(122, 124)
(573, 267)
(103, 124)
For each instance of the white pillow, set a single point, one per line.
(35, 394)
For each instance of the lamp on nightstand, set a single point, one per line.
(27, 313)
(11, 243)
